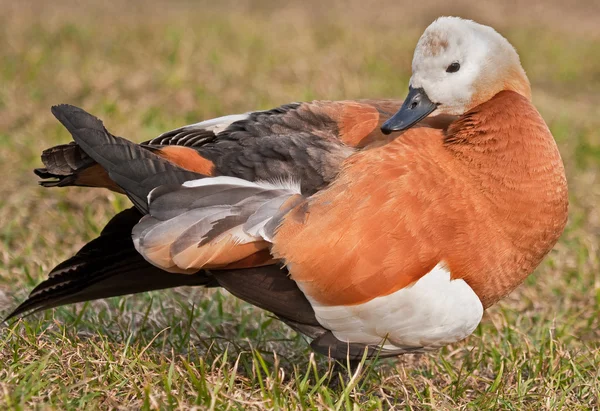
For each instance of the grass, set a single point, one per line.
(149, 67)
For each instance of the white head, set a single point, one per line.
(456, 61)
(457, 65)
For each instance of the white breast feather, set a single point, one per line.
(433, 312)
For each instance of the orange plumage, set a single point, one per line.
(355, 237)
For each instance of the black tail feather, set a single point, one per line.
(108, 266)
(134, 168)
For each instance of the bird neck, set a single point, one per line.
(511, 158)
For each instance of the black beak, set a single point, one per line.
(415, 108)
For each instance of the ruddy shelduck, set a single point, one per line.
(360, 228)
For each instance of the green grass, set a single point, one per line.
(149, 67)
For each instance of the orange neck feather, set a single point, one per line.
(490, 84)
(512, 158)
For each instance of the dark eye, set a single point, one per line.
(453, 68)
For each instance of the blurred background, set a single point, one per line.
(146, 67)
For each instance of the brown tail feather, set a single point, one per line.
(64, 159)
(68, 165)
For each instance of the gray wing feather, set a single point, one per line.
(137, 170)
(198, 212)
(255, 224)
(168, 204)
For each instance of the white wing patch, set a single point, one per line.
(433, 312)
(216, 125)
(277, 184)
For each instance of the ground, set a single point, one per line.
(147, 67)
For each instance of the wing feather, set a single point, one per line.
(210, 222)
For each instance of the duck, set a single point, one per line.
(372, 227)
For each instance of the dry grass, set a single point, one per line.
(148, 67)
